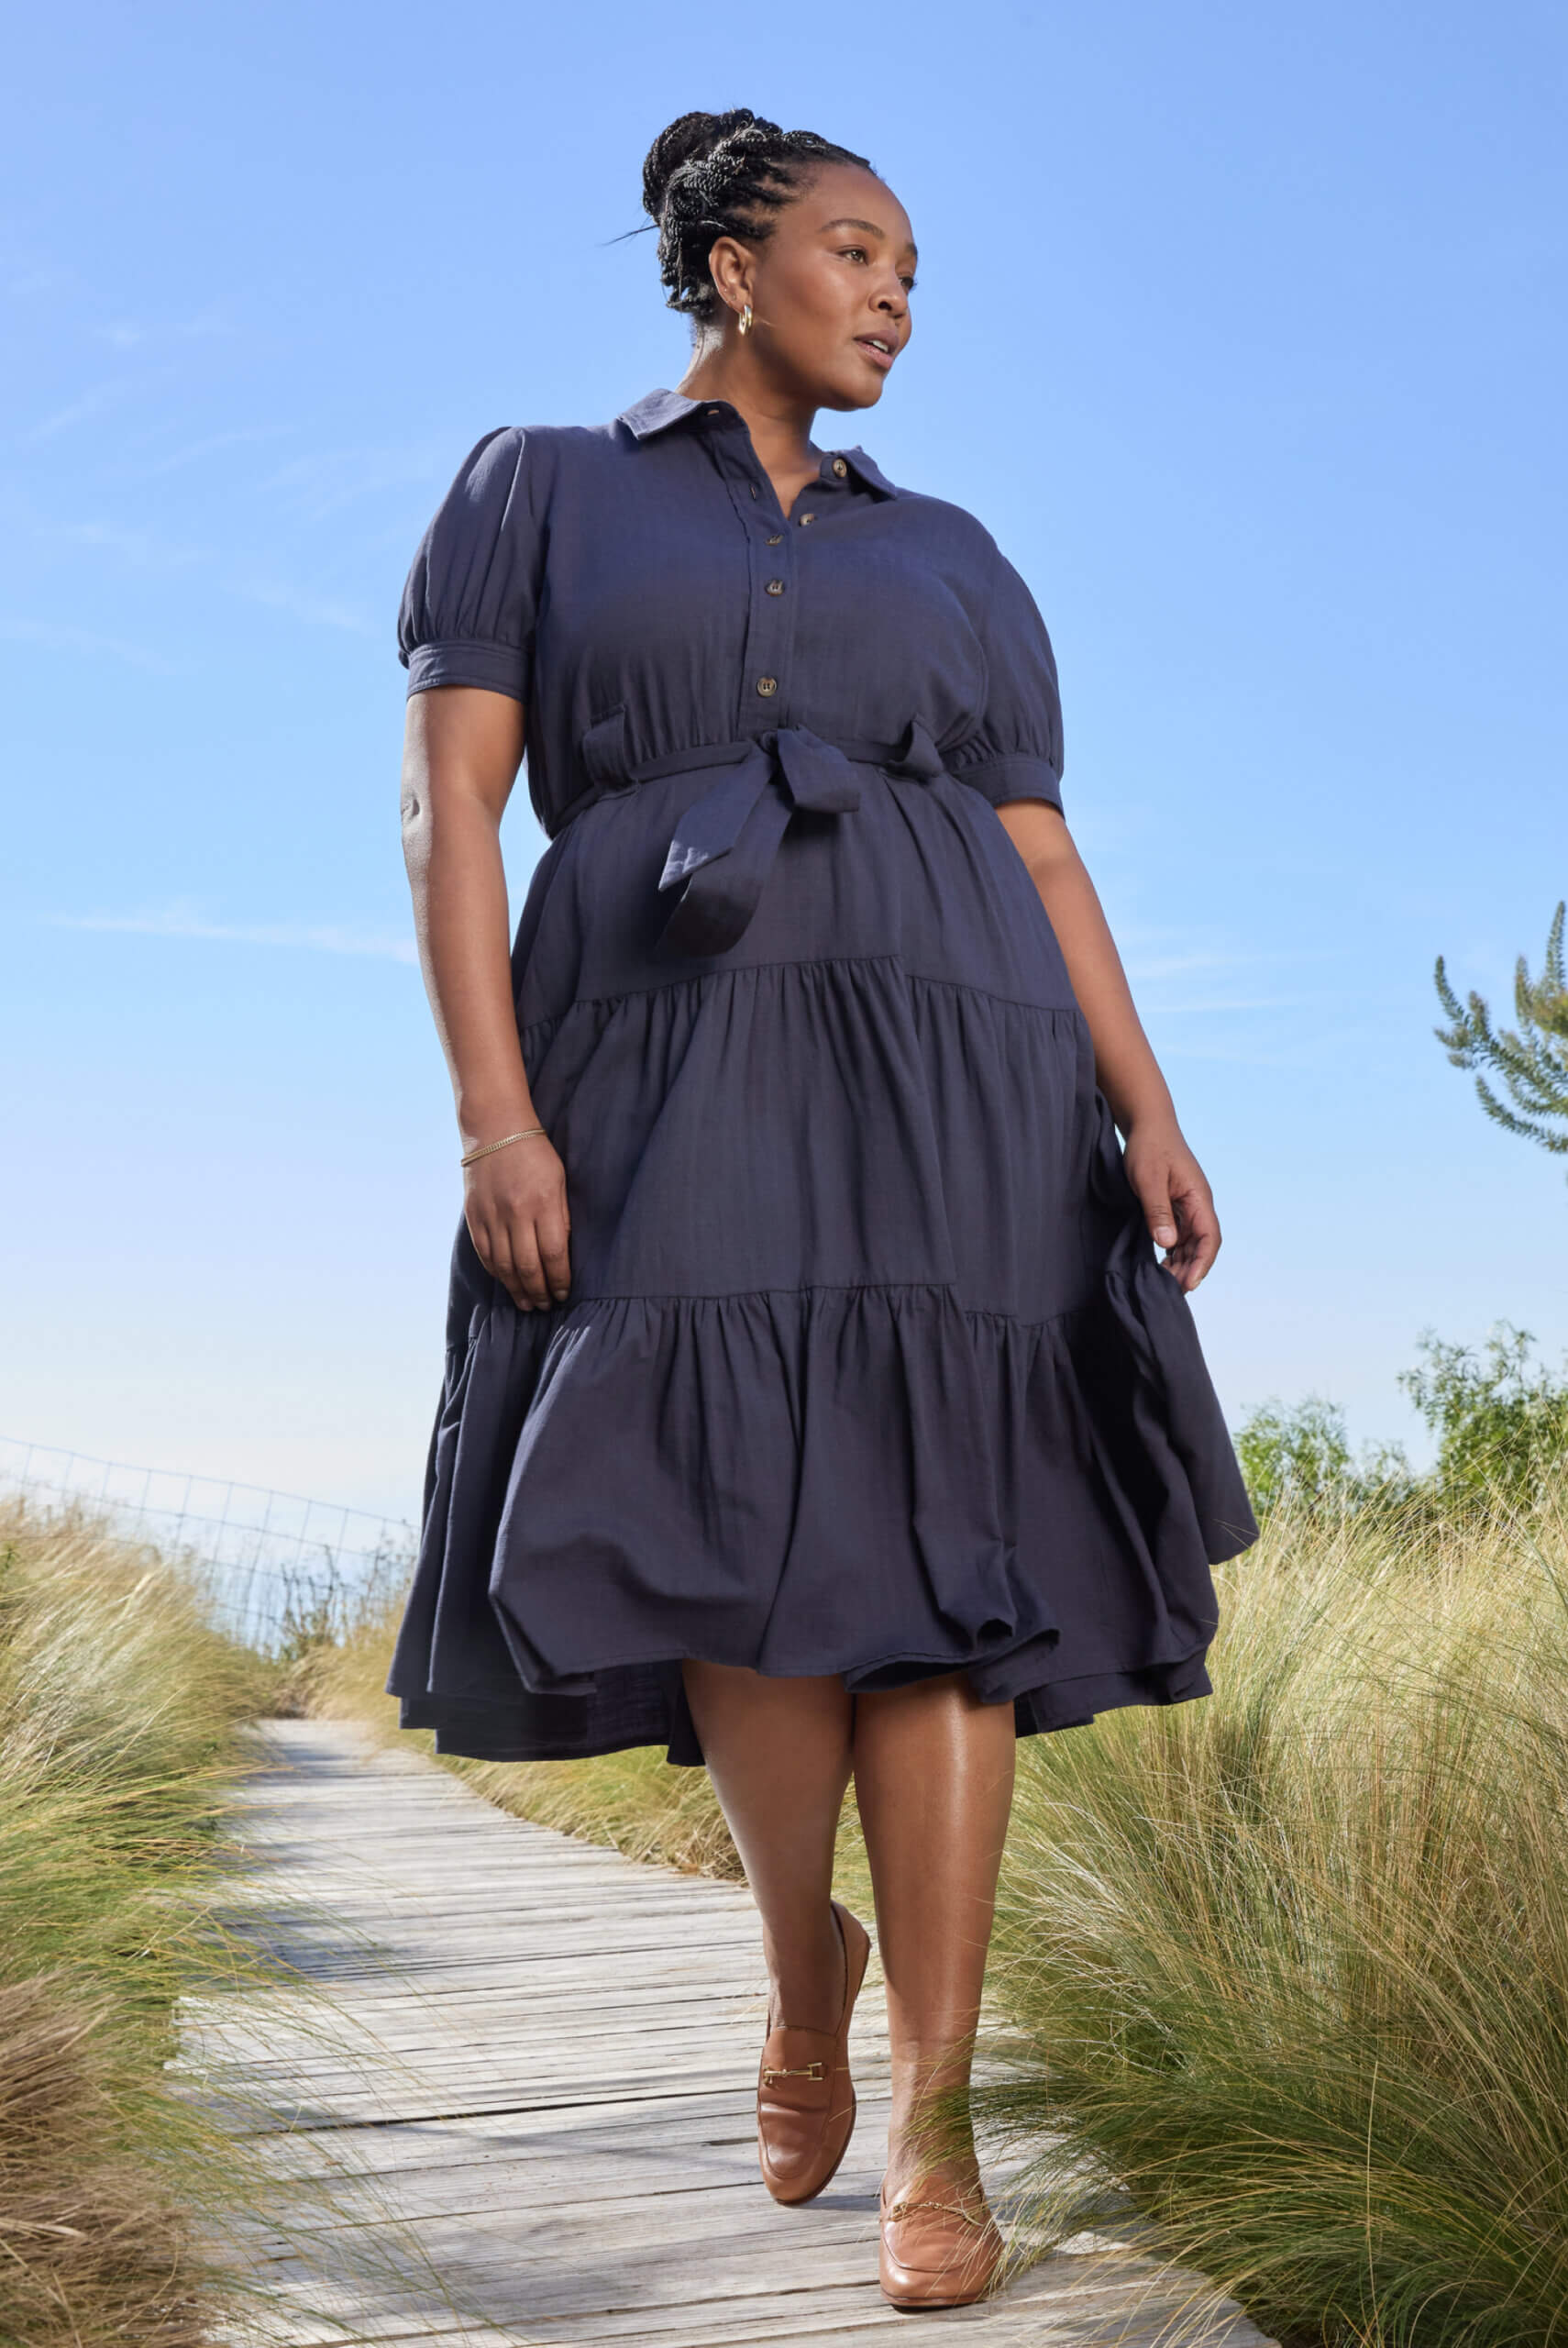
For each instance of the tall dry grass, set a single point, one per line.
(120, 1712)
(1285, 1969)
(634, 1802)
(1289, 1967)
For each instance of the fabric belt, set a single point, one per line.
(725, 841)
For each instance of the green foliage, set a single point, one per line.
(1501, 1420)
(1299, 1456)
(1532, 1061)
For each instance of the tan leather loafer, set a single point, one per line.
(805, 2096)
(937, 2252)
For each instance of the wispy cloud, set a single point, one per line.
(1144, 969)
(19, 280)
(1175, 980)
(147, 550)
(142, 548)
(320, 485)
(79, 411)
(50, 639)
(299, 603)
(1299, 1052)
(1200, 1006)
(210, 445)
(128, 334)
(183, 921)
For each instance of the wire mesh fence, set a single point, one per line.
(275, 1569)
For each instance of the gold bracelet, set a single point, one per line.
(505, 1144)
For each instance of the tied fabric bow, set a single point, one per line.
(726, 840)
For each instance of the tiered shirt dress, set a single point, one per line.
(868, 1365)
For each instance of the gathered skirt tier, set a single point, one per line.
(868, 1365)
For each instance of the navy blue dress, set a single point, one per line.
(868, 1364)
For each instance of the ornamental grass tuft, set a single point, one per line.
(119, 1715)
(1279, 1983)
(1286, 1970)
(634, 1802)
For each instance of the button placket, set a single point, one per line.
(766, 673)
(771, 633)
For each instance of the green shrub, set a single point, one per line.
(1299, 1456)
(1500, 1419)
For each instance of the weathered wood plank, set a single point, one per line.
(511, 2103)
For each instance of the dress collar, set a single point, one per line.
(658, 410)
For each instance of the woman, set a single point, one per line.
(816, 1405)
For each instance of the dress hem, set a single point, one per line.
(459, 1732)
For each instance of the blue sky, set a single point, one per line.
(1241, 329)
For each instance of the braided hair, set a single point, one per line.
(712, 175)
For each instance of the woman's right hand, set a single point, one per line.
(462, 748)
(514, 1202)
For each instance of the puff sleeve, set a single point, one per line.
(1016, 750)
(472, 594)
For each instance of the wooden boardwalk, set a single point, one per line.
(515, 2106)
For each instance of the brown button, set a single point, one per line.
(776, 540)
(776, 586)
(805, 518)
(839, 467)
(765, 685)
(712, 411)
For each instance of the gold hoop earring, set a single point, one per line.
(745, 319)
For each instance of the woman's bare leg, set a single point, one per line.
(934, 1778)
(778, 1753)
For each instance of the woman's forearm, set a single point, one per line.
(1169, 1183)
(1125, 1067)
(451, 816)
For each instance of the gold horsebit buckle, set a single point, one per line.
(897, 2210)
(811, 2071)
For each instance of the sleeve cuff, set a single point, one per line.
(1016, 776)
(494, 668)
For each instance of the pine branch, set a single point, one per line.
(1531, 1062)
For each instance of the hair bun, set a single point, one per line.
(688, 139)
(713, 175)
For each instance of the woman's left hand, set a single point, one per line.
(1175, 1198)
